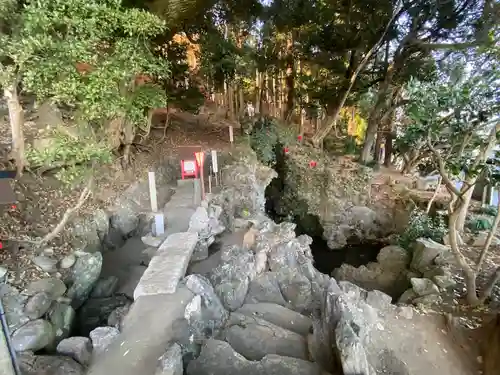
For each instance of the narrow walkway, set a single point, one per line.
(129, 262)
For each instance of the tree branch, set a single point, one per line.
(85, 194)
(489, 239)
(442, 171)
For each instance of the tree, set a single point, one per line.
(426, 26)
(457, 121)
(93, 56)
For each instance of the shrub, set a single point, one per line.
(422, 225)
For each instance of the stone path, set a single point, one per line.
(158, 302)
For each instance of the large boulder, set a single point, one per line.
(253, 338)
(49, 365)
(33, 336)
(231, 278)
(13, 304)
(84, 275)
(424, 252)
(265, 288)
(217, 357)
(278, 315)
(78, 348)
(170, 363)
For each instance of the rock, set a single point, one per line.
(68, 261)
(379, 300)
(116, 317)
(265, 288)
(374, 277)
(153, 241)
(394, 258)
(95, 312)
(424, 253)
(480, 239)
(278, 315)
(125, 218)
(217, 357)
(404, 311)
(213, 315)
(105, 287)
(170, 363)
(254, 338)
(45, 263)
(408, 296)
(199, 222)
(351, 352)
(430, 299)
(233, 293)
(52, 286)
(100, 219)
(85, 273)
(446, 258)
(277, 365)
(13, 304)
(424, 287)
(78, 348)
(231, 278)
(37, 305)
(61, 316)
(34, 335)
(444, 281)
(102, 337)
(432, 271)
(200, 252)
(296, 289)
(3, 273)
(49, 365)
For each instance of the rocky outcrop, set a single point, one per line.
(337, 192)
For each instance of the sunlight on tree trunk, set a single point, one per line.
(429, 205)
(16, 117)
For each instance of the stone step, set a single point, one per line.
(168, 266)
(254, 338)
(278, 315)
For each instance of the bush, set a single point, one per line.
(266, 134)
(489, 210)
(72, 156)
(479, 224)
(422, 225)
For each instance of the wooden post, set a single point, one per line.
(210, 180)
(159, 223)
(231, 138)
(215, 167)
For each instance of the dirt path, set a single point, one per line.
(426, 346)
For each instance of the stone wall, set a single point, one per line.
(259, 307)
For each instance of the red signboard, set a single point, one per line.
(189, 168)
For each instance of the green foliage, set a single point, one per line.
(489, 210)
(479, 224)
(71, 154)
(264, 139)
(85, 54)
(268, 137)
(422, 225)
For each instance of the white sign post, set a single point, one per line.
(215, 167)
(159, 223)
(231, 138)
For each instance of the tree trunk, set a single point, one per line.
(389, 139)
(16, 117)
(378, 147)
(470, 275)
(373, 119)
(481, 158)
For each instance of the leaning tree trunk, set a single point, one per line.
(16, 116)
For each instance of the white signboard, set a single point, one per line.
(231, 138)
(189, 166)
(215, 166)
